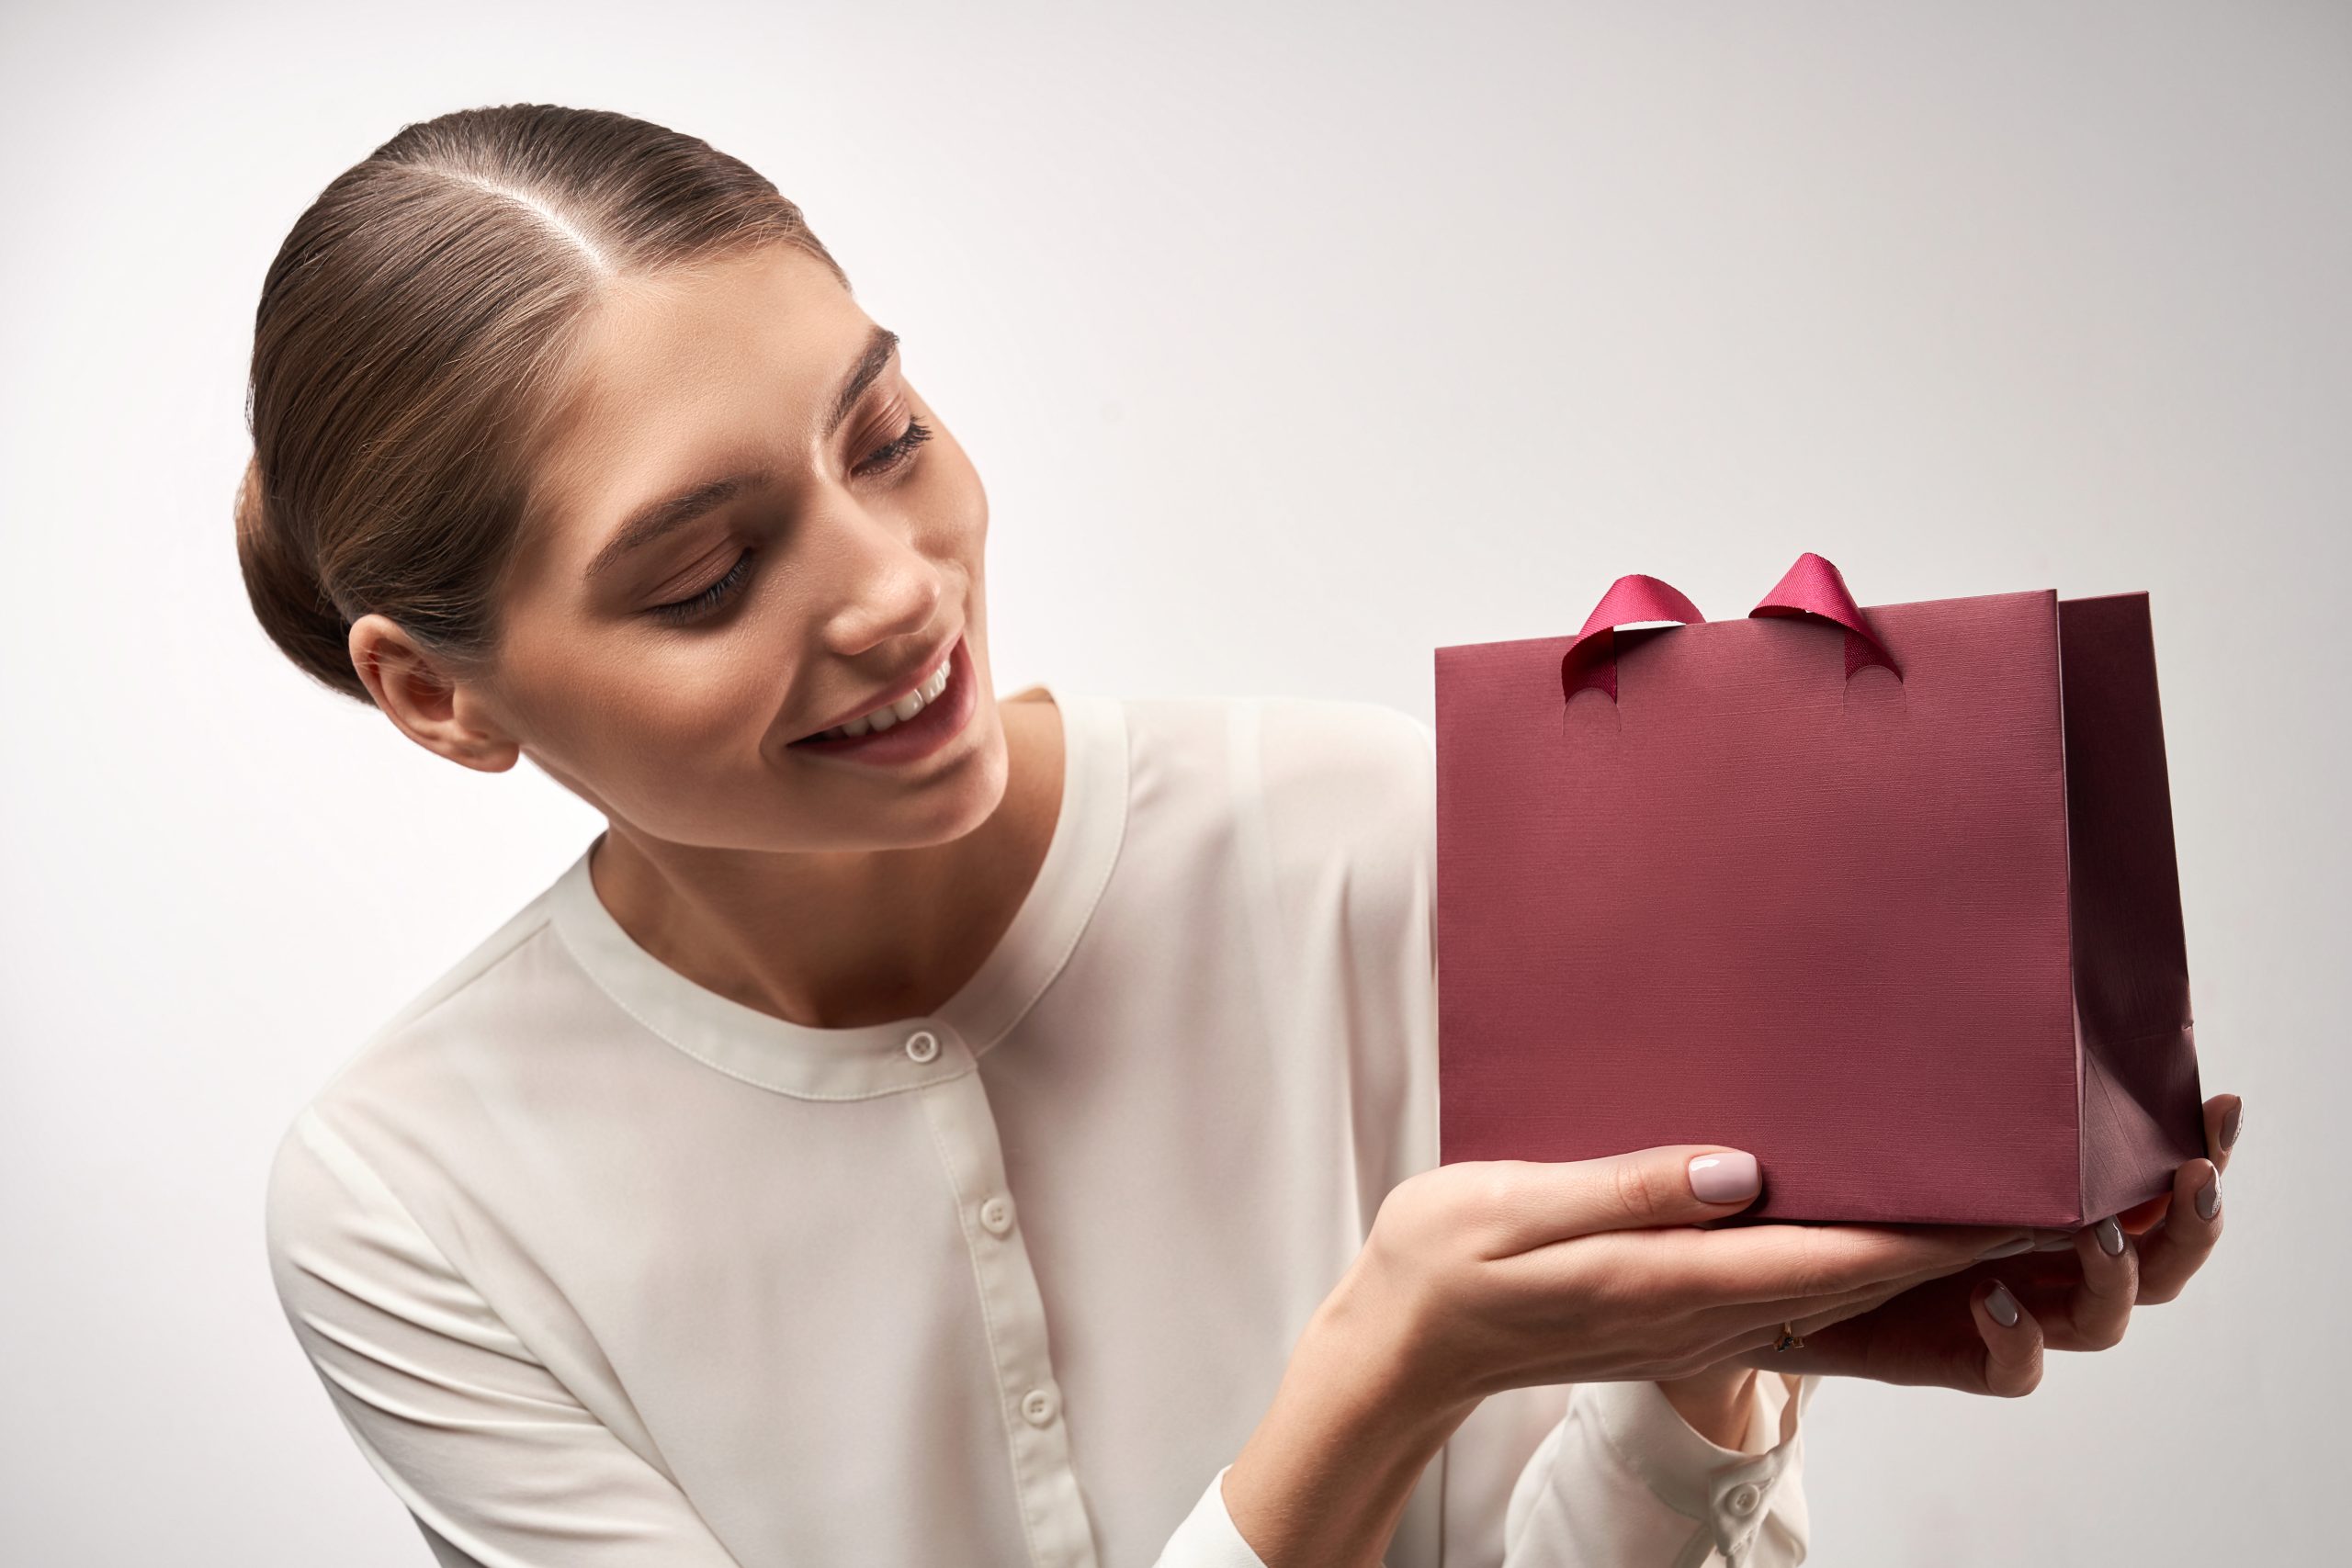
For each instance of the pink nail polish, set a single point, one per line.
(2003, 1306)
(2230, 1126)
(2110, 1237)
(1730, 1176)
(2208, 1197)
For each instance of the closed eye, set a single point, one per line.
(895, 453)
(891, 456)
(710, 598)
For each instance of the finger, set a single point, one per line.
(1935, 1336)
(1741, 1322)
(2222, 1122)
(2224, 1117)
(2011, 1360)
(2093, 1312)
(2142, 1218)
(1540, 1202)
(1786, 1265)
(1754, 1326)
(1777, 1263)
(2179, 1248)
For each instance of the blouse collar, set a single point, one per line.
(884, 1058)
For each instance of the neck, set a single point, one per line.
(838, 940)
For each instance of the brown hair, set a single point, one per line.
(407, 346)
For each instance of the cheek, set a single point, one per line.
(689, 709)
(713, 700)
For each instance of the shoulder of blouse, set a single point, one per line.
(1347, 778)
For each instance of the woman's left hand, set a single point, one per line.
(1984, 1329)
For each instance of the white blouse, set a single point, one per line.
(601, 1267)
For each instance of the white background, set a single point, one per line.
(1291, 341)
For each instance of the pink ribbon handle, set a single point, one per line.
(1635, 600)
(1813, 588)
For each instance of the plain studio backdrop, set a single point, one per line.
(1291, 342)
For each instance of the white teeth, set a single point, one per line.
(890, 713)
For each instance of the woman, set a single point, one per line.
(923, 1127)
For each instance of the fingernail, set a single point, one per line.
(2110, 1237)
(1730, 1176)
(2003, 1306)
(2208, 1197)
(2230, 1126)
(2008, 1248)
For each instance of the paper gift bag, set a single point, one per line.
(1886, 897)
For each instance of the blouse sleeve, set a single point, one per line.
(1621, 1481)
(497, 1464)
(1208, 1537)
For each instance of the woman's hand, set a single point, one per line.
(1481, 1276)
(1983, 1328)
(1489, 1275)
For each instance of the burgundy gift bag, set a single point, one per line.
(1885, 897)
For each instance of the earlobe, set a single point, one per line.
(477, 740)
(488, 747)
(492, 756)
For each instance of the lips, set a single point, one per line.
(906, 683)
(938, 725)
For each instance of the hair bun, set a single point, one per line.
(282, 583)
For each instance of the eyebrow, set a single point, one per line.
(652, 521)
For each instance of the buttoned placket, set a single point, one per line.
(963, 1127)
(1726, 1494)
(934, 1058)
(1737, 1498)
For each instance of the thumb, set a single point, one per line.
(1671, 1184)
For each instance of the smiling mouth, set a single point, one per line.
(892, 713)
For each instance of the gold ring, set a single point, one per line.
(1788, 1340)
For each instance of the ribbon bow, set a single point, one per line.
(1812, 589)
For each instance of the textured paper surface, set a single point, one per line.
(1755, 901)
(2142, 1107)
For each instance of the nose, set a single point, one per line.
(882, 586)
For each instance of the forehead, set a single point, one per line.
(675, 377)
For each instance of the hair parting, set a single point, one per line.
(409, 350)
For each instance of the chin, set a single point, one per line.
(971, 797)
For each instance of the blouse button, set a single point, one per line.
(1744, 1497)
(997, 1214)
(922, 1046)
(1037, 1406)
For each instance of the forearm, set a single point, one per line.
(1323, 1479)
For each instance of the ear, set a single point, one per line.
(432, 706)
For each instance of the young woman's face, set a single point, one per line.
(666, 680)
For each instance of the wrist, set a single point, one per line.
(1716, 1403)
(1363, 1346)
(1354, 1423)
